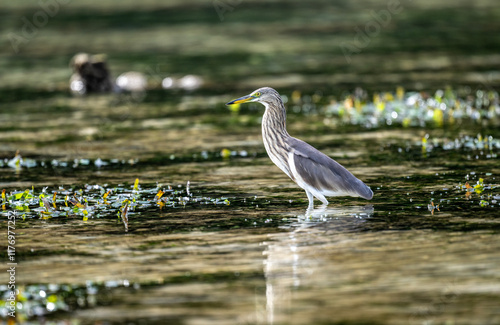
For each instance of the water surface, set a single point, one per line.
(415, 115)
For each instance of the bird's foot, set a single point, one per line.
(314, 212)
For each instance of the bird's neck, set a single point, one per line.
(274, 119)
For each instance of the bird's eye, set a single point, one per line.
(257, 94)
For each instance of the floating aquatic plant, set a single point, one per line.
(411, 109)
(472, 147)
(488, 145)
(43, 299)
(479, 188)
(18, 162)
(124, 214)
(95, 201)
(484, 191)
(432, 207)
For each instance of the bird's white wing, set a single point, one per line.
(325, 174)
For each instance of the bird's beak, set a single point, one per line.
(240, 100)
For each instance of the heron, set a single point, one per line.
(312, 170)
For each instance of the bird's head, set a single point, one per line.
(264, 95)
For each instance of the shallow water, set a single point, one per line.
(424, 250)
(230, 240)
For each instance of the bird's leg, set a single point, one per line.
(311, 200)
(322, 207)
(317, 212)
(322, 198)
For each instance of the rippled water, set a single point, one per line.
(229, 241)
(422, 251)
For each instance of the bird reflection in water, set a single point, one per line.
(300, 257)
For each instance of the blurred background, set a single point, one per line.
(238, 44)
(204, 49)
(95, 95)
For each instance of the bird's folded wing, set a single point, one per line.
(324, 173)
